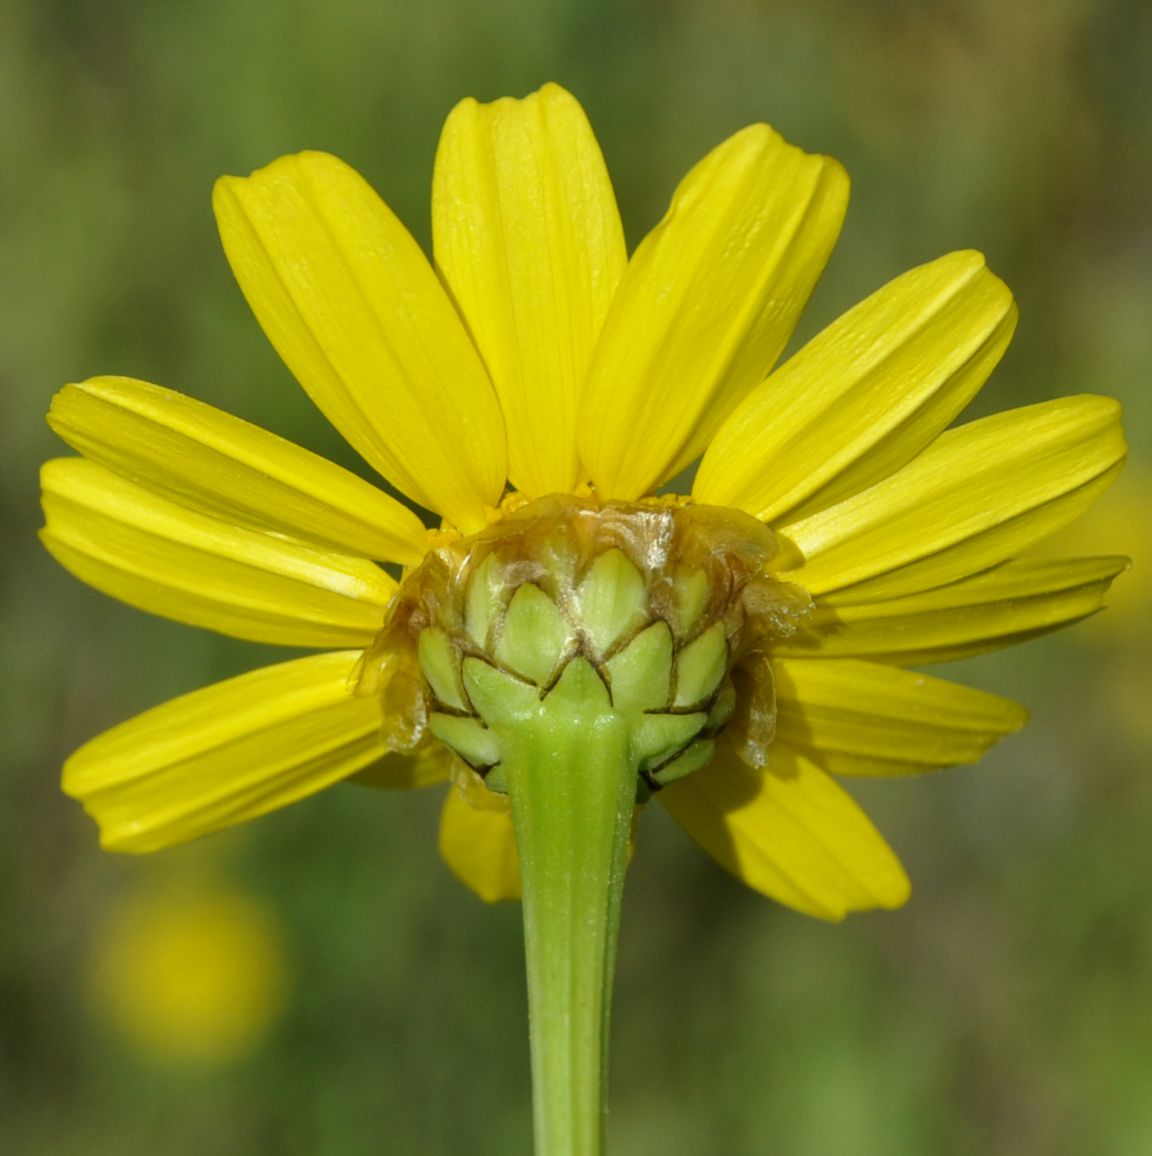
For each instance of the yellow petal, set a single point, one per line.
(789, 832)
(169, 560)
(527, 236)
(208, 460)
(1006, 605)
(357, 313)
(479, 845)
(865, 396)
(706, 305)
(225, 754)
(980, 494)
(861, 718)
(424, 767)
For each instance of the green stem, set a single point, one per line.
(572, 787)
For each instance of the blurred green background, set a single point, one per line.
(1006, 1010)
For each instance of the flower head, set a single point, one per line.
(535, 388)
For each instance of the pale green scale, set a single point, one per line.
(657, 737)
(440, 662)
(690, 596)
(498, 696)
(697, 756)
(612, 600)
(641, 674)
(482, 601)
(722, 708)
(535, 636)
(701, 666)
(468, 737)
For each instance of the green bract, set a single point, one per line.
(635, 615)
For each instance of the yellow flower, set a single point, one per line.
(537, 354)
(190, 976)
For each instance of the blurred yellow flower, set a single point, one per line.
(190, 976)
(537, 354)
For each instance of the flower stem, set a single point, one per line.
(572, 787)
